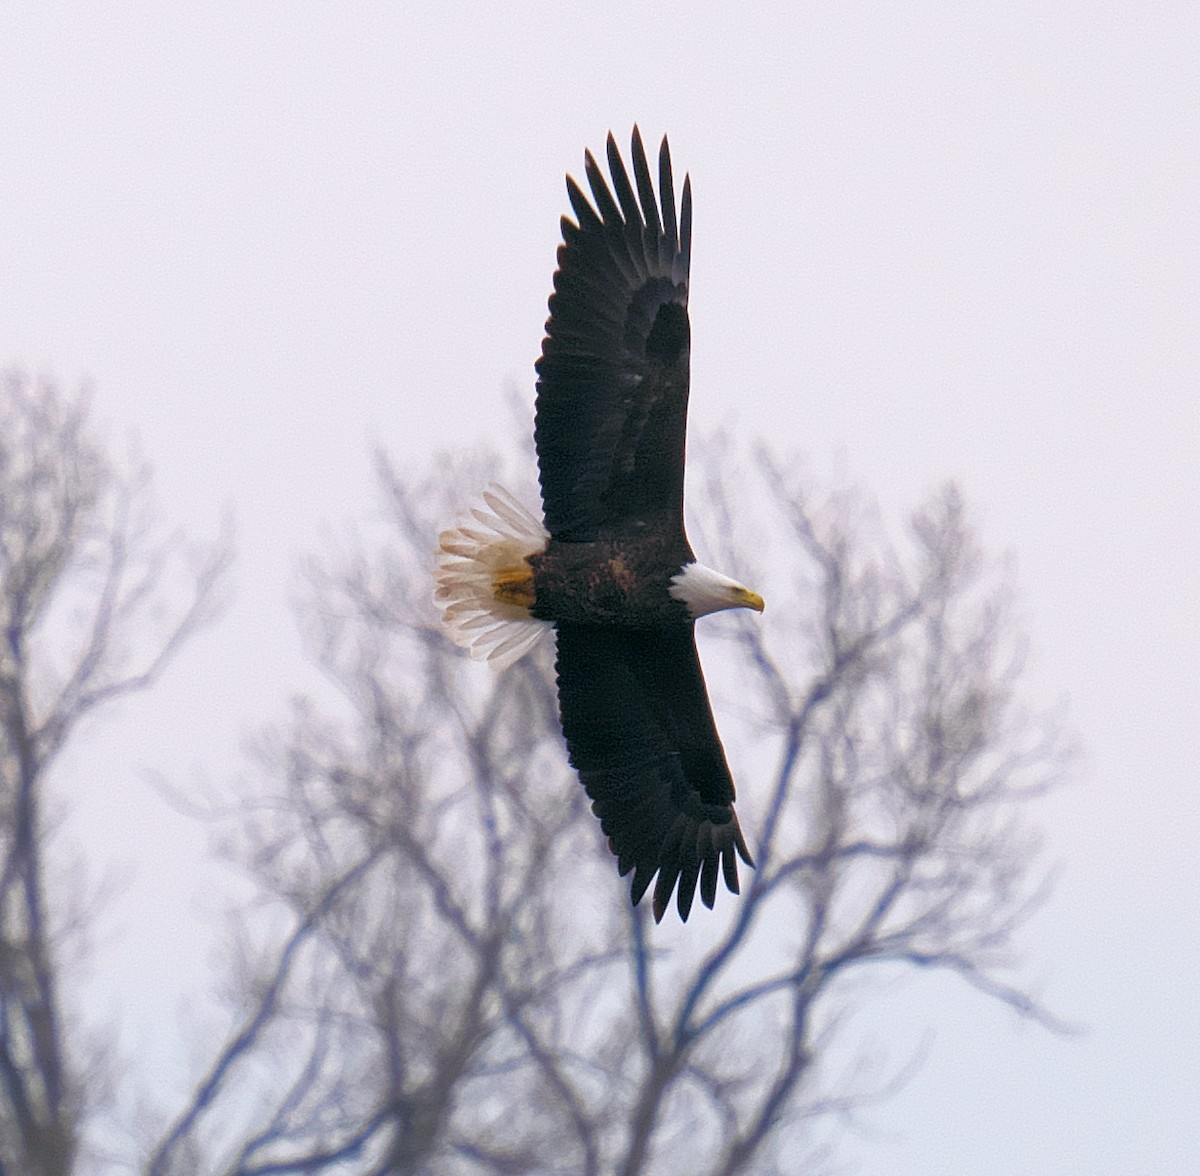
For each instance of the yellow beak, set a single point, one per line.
(744, 598)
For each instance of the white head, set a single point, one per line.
(705, 591)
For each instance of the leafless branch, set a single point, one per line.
(74, 543)
(483, 1000)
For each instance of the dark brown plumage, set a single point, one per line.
(610, 432)
(612, 570)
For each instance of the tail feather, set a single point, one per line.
(490, 540)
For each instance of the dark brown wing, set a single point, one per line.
(640, 732)
(613, 375)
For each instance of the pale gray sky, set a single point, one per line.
(931, 240)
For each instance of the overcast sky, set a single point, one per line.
(931, 240)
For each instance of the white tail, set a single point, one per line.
(487, 547)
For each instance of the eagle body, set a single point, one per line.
(608, 566)
(610, 582)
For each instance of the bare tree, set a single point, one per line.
(92, 608)
(443, 973)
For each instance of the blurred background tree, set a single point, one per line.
(94, 604)
(441, 972)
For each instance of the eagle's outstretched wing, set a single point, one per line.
(640, 732)
(613, 375)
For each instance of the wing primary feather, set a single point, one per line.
(708, 874)
(642, 877)
(641, 171)
(740, 842)
(685, 229)
(662, 890)
(623, 222)
(689, 870)
(610, 214)
(668, 868)
(620, 177)
(652, 235)
(729, 868)
(666, 192)
(584, 212)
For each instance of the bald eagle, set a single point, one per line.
(611, 569)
